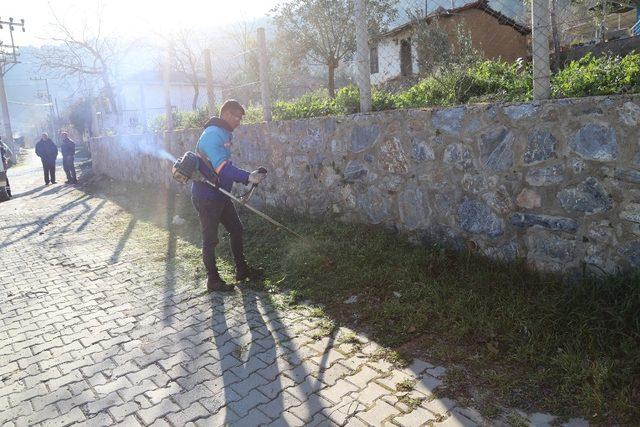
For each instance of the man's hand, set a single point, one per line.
(257, 175)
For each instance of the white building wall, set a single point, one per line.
(388, 61)
(389, 58)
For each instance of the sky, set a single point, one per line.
(127, 18)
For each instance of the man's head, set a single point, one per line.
(45, 135)
(232, 112)
(64, 134)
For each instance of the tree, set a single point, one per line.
(80, 115)
(84, 54)
(244, 77)
(436, 50)
(187, 51)
(323, 31)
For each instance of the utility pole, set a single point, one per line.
(8, 59)
(540, 49)
(49, 99)
(166, 74)
(263, 65)
(362, 56)
(209, 73)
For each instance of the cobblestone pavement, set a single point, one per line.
(94, 330)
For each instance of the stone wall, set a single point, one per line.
(554, 182)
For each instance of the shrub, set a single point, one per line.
(347, 100)
(312, 104)
(592, 76)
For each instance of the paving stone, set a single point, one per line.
(102, 419)
(419, 416)
(157, 395)
(72, 417)
(159, 410)
(344, 411)
(287, 419)
(371, 393)
(244, 405)
(119, 413)
(426, 385)
(193, 412)
(338, 391)
(307, 410)
(76, 401)
(378, 414)
(456, 420)
(224, 417)
(278, 405)
(393, 378)
(246, 386)
(254, 418)
(471, 414)
(439, 406)
(362, 378)
(53, 397)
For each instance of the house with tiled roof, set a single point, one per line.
(492, 32)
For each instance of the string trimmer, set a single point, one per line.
(186, 169)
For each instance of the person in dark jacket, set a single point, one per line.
(214, 148)
(68, 148)
(48, 152)
(5, 154)
(5, 158)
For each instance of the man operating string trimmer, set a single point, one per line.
(214, 207)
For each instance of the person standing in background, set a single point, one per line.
(48, 152)
(68, 149)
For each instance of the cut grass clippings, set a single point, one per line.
(525, 340)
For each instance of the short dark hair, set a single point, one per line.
(232, 105)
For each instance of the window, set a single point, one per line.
(373, 59)
(406, 62)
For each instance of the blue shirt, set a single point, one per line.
(215, 144)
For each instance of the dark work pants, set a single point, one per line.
(69, 168)
(49, 168)
(212, 213)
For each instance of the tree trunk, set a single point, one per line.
(109, 92)
(196, 93)
(332, 80)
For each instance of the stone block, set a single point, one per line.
(550, 246)
(589, 197)
(374, 204)
(476, 217)
(529, 199)
(525, 220)
(596, 142)
(549, 175)
(631, 253)
(458, 155)
(355, 171)
(412, 210)
(517, 112)
(364, 136)
(631, 212)
(448, 120)
(628, 175)
(496, 149)
(541, 146)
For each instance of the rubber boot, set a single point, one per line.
(244, 272)
(215, 283)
